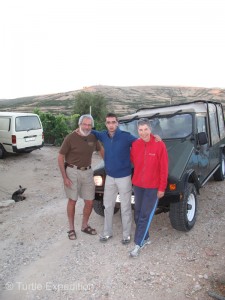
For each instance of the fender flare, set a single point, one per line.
(192, 177)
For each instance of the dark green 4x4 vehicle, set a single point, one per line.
(194, 135)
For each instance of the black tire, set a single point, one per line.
(2, 152)
(99, 208)
(183, 214)
(219, 175)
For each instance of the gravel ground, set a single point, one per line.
(38, 261)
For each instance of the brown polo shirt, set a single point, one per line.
(78, 149)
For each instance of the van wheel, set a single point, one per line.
(99, 208)
(219, 175)
(2, 152)
(183, 214)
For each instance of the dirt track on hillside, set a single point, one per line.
(38, 261)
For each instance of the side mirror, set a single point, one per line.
(202, 138)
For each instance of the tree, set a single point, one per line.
(89, 102)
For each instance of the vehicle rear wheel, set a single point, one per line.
(219, 175)
(2, 151)
(99, 208)
(183, 214)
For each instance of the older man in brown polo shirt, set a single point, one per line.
(74, 161)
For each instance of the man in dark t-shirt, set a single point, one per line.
(74, 160)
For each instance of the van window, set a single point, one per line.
(27, 123)
(5, 124)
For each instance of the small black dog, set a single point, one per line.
(17, 195)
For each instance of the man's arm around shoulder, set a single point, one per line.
(98, 134)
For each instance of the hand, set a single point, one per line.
(160, 194)
(67, 182)
(157, 138)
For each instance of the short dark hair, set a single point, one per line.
(111, 115)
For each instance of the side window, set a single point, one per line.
(4, 124)
(213, 124)
(221, 121)
(201, 124)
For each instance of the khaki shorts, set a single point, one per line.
(82, 184)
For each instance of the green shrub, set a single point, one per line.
(56, 127)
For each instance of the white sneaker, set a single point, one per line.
(146, 242)
(126, 240)
(135, 252)
(104, 238)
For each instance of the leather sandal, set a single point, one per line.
(89, 230)
(72, 235)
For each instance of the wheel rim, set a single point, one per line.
(191, 211)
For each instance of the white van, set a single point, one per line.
(20, 132)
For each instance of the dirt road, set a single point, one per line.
(38, 261)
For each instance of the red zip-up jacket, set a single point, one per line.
(150, 160)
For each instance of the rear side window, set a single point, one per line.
(213, 124)
(221, 121)
(5, 124)
(27, 123)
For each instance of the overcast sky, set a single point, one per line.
(51, 46)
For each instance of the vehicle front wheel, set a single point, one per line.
(183, 214)
(99, 208)
(219, 175)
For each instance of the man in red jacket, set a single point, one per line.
(150, 162)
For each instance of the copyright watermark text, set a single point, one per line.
(48, 286)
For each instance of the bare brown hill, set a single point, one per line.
(121, 100)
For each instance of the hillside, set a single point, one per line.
(121, 100)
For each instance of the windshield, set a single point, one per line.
(167, 127)
(27, 123)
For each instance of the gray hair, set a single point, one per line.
(144, 121)
(86, 117)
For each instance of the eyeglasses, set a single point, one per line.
(84, 124)
(111, 122)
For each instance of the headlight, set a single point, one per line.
(98, 180)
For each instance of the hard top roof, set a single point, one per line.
(195, 106)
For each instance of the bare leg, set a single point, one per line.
(88, 204)
(71, 213)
